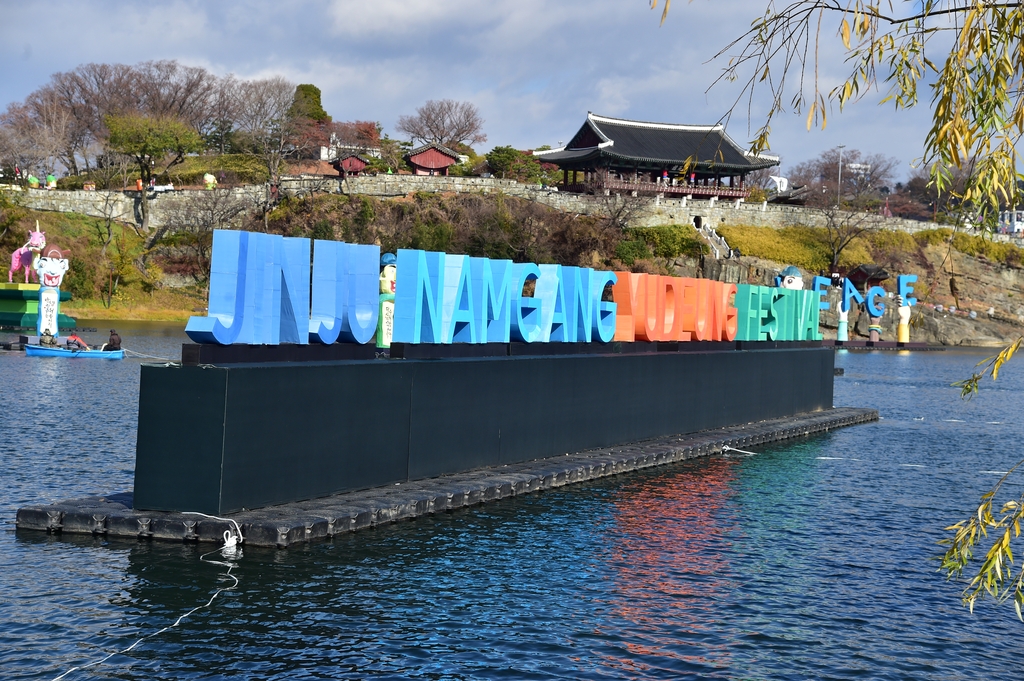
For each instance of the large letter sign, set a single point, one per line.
(492, 279)
(419, 297)
(259, 291)
(345, 293)
(260, 294)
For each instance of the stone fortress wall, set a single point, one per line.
(125, 206)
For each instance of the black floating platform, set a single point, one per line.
(194, 354)
(878, 345)
(217, 439)
(296, 523)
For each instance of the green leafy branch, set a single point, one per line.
(990, 365)
(996, 577)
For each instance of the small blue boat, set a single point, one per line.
(41, 351)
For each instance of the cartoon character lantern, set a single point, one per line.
(386, 318)
(903, 327)
(27, 256)
(50, 268)
(792, 279)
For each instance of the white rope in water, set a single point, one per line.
(132, 353)
(727, 448)
(231, 549)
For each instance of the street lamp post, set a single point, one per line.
(839, 186)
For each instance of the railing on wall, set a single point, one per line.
(668, 189)
(717, 242)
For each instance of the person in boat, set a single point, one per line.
(47, 339)
(114, 342)
(75, 342)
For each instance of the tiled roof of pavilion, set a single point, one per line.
(618, 141)
(433, 145)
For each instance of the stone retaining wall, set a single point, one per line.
(125, 206)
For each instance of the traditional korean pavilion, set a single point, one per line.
(614, 155)
(431, 159)
(351, 164)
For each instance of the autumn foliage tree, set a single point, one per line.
(362, 135)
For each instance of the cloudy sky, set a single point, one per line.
(533, 68)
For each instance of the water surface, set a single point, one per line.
(812, 559)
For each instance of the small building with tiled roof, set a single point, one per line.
(617, 154)
(351, 164)
(431, 159)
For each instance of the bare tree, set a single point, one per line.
(18, 141)
(361, 135)
(189, 222)
(91, 92)
(224, 106)
(863, 177)
(56, 130)
(264, 121)
(112, 213)
(73, 106)
(621, 210)
(842, 227)
(112, 170)
(446, 122)
(168, 89)
(761, 178)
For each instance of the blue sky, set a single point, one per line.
(533, 68)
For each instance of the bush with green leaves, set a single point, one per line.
(631, 250)
(669, 241)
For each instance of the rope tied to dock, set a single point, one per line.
(230, 549)
(727, 448)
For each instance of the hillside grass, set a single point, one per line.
(804, 247)
(976, 246)
(93, 272)
(229, 169)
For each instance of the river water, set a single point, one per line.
(812, 559)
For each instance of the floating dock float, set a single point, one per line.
(297, 523)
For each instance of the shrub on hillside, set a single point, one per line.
(774, 244)
(933, 237)
(670, 241)
(805, 247)
(892, 241)
(227, 168)
(630, 251)
(495, 226)
(1007, 254)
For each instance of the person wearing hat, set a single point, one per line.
(114, 342)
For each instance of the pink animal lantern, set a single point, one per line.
(25, 257)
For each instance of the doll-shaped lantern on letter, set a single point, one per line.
(386, 318)
(792, 279)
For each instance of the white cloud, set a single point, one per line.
(534, 68)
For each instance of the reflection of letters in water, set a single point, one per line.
(48, 299)
(387, 324)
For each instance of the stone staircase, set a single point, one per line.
(719, 248)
